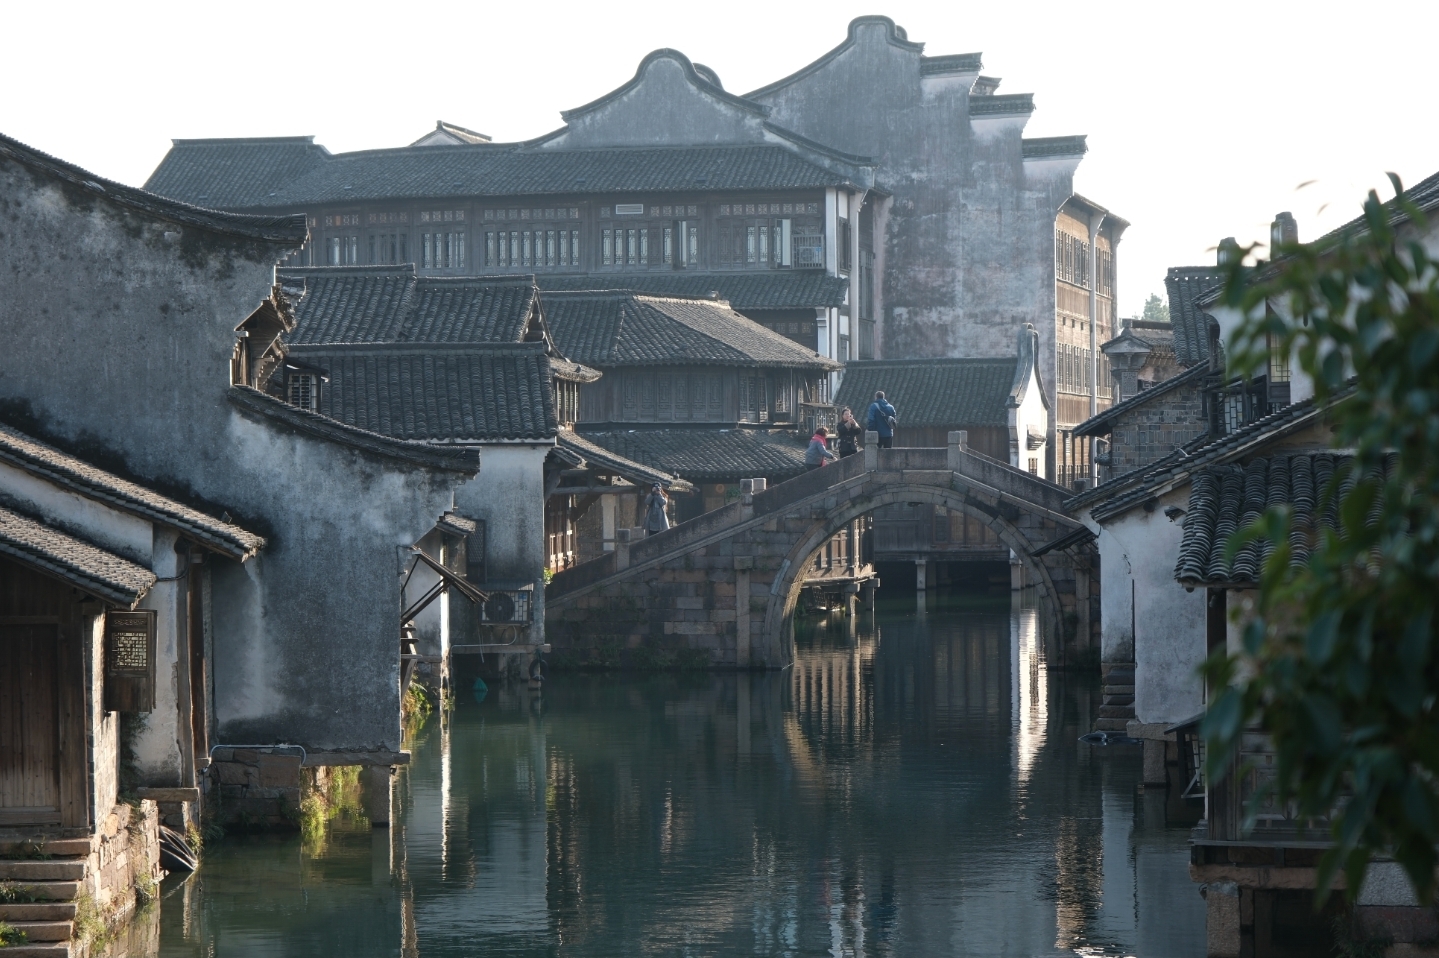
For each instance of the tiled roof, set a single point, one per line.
(262, 406)
(87, 567)
(584, 451)
(438, 393)
(772, 289)
(1103, 423)
(1002, 104)
(282, 231)
(1186, 285)
(229, 174)
(52, 465)
(951, 63)
(1126, 492)
(933, 392)
(709, 455)
(1225, 499)
(199, 168)
(618, 328)
(388, 304)
(1036, 147)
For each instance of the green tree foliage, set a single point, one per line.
(1339, 663)
(1156, 310)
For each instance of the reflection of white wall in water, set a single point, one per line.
(1029, 690)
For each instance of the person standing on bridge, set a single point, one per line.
(850, 432)
(818, 453)
(656, 518)
(882, 419)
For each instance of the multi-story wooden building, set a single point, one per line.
(877, 203)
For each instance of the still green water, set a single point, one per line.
(913, 787)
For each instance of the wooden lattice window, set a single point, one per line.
(130, 661)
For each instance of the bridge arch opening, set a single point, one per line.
(778, 630)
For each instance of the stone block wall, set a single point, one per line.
(124, 856)
(254, 788)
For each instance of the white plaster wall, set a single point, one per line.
(1031, 412)
(157, 741)
(509, 495)
(1138, 553)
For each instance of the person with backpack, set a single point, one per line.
(882, 419)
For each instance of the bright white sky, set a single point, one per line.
(1203, 117)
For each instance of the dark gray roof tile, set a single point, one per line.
(709, 455)
(1226, 498)
(933, 392)
(428, 392)
(618, 328)
(277, 174)
(1186, 285)
(85, 566)
(52, 465)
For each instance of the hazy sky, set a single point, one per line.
(1203, 118)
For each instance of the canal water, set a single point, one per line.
(913, 786)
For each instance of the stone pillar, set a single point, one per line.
(871, 451)
(622, 548)
(1221, 918)
(742, 567)
(607, 522)
(958, 445)
(375, 793)
(920, 567)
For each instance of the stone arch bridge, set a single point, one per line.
(720, 590)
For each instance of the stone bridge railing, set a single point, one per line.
(709, 585)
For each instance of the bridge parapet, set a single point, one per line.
(718, 588)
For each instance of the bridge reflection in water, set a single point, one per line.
(911, 787)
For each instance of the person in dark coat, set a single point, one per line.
(850, 432)
(656, 519)
(818, 452)
(882, 419)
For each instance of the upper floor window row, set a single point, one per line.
(442, 216)
(768, 209)
(559, 213)
(638, 209)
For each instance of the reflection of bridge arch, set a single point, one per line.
(784, 593)
(721, 589)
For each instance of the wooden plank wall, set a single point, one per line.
(31, 603)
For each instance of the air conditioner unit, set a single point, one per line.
(507, 606)
(629, 209)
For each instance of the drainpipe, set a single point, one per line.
(1096, 220)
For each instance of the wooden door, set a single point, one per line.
(29, 725)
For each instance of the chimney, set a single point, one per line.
(1283, 233)
(1228, 251)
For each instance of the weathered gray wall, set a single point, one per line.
(969, 236)
(118, 329)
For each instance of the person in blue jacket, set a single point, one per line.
(882, 419)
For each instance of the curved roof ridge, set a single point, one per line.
(895, 37)
(279, 230)
(693, 75)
